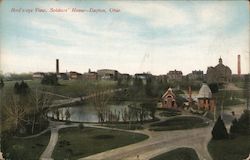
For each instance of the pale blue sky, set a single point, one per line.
(154, 36)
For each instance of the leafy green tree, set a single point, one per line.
(219, 131)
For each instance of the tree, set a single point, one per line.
(39, 101)
(1, 83)
(21, 89)
(67, 115)
(119, 82)
(242, 125)
(13, 113)
(100, 99)
(138, 83)
(149, 87)
(24, 88)
(234, 127)
(16, 88)
(219, 131)
(247, 89)
(50, 79)
(214, 87)
(151, 107)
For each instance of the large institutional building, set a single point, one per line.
(219, 74)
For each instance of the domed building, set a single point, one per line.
(219, 74)
(205, 99)
(205, 91)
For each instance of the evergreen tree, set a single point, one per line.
(1, 83)
(21, 89)
(24, 88)
(241, 126)
(16, 88)
(219, 131)
(234, 127)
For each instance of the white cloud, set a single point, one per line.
(116, 44)
(161, 14)
(213, 14)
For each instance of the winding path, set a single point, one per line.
(54, 127)
(158, 142)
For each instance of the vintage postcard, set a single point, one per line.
(124, 80)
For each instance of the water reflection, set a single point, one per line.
(85, 113)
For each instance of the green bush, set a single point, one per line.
(50, 79)
(81, 126)
(241, 126)
(219, 131)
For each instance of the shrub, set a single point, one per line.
(67, 123)
(241, 126)
(1, 83)
(21, 89)
(81, 126)
(219, 131)
(50, 79)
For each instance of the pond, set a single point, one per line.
(88, 113)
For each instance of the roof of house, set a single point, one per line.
(205, 91)
(169, 91)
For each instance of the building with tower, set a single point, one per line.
(219, 74)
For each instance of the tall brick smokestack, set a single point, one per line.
(57, 66)
(239, 67)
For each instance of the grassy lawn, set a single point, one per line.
(179, 123)
(71, 88)
(75, 143)
(125, 126)
(240, 84)
(231, 149)
(169, 113)
(178, 154)
(25, 149)
(229, 98)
